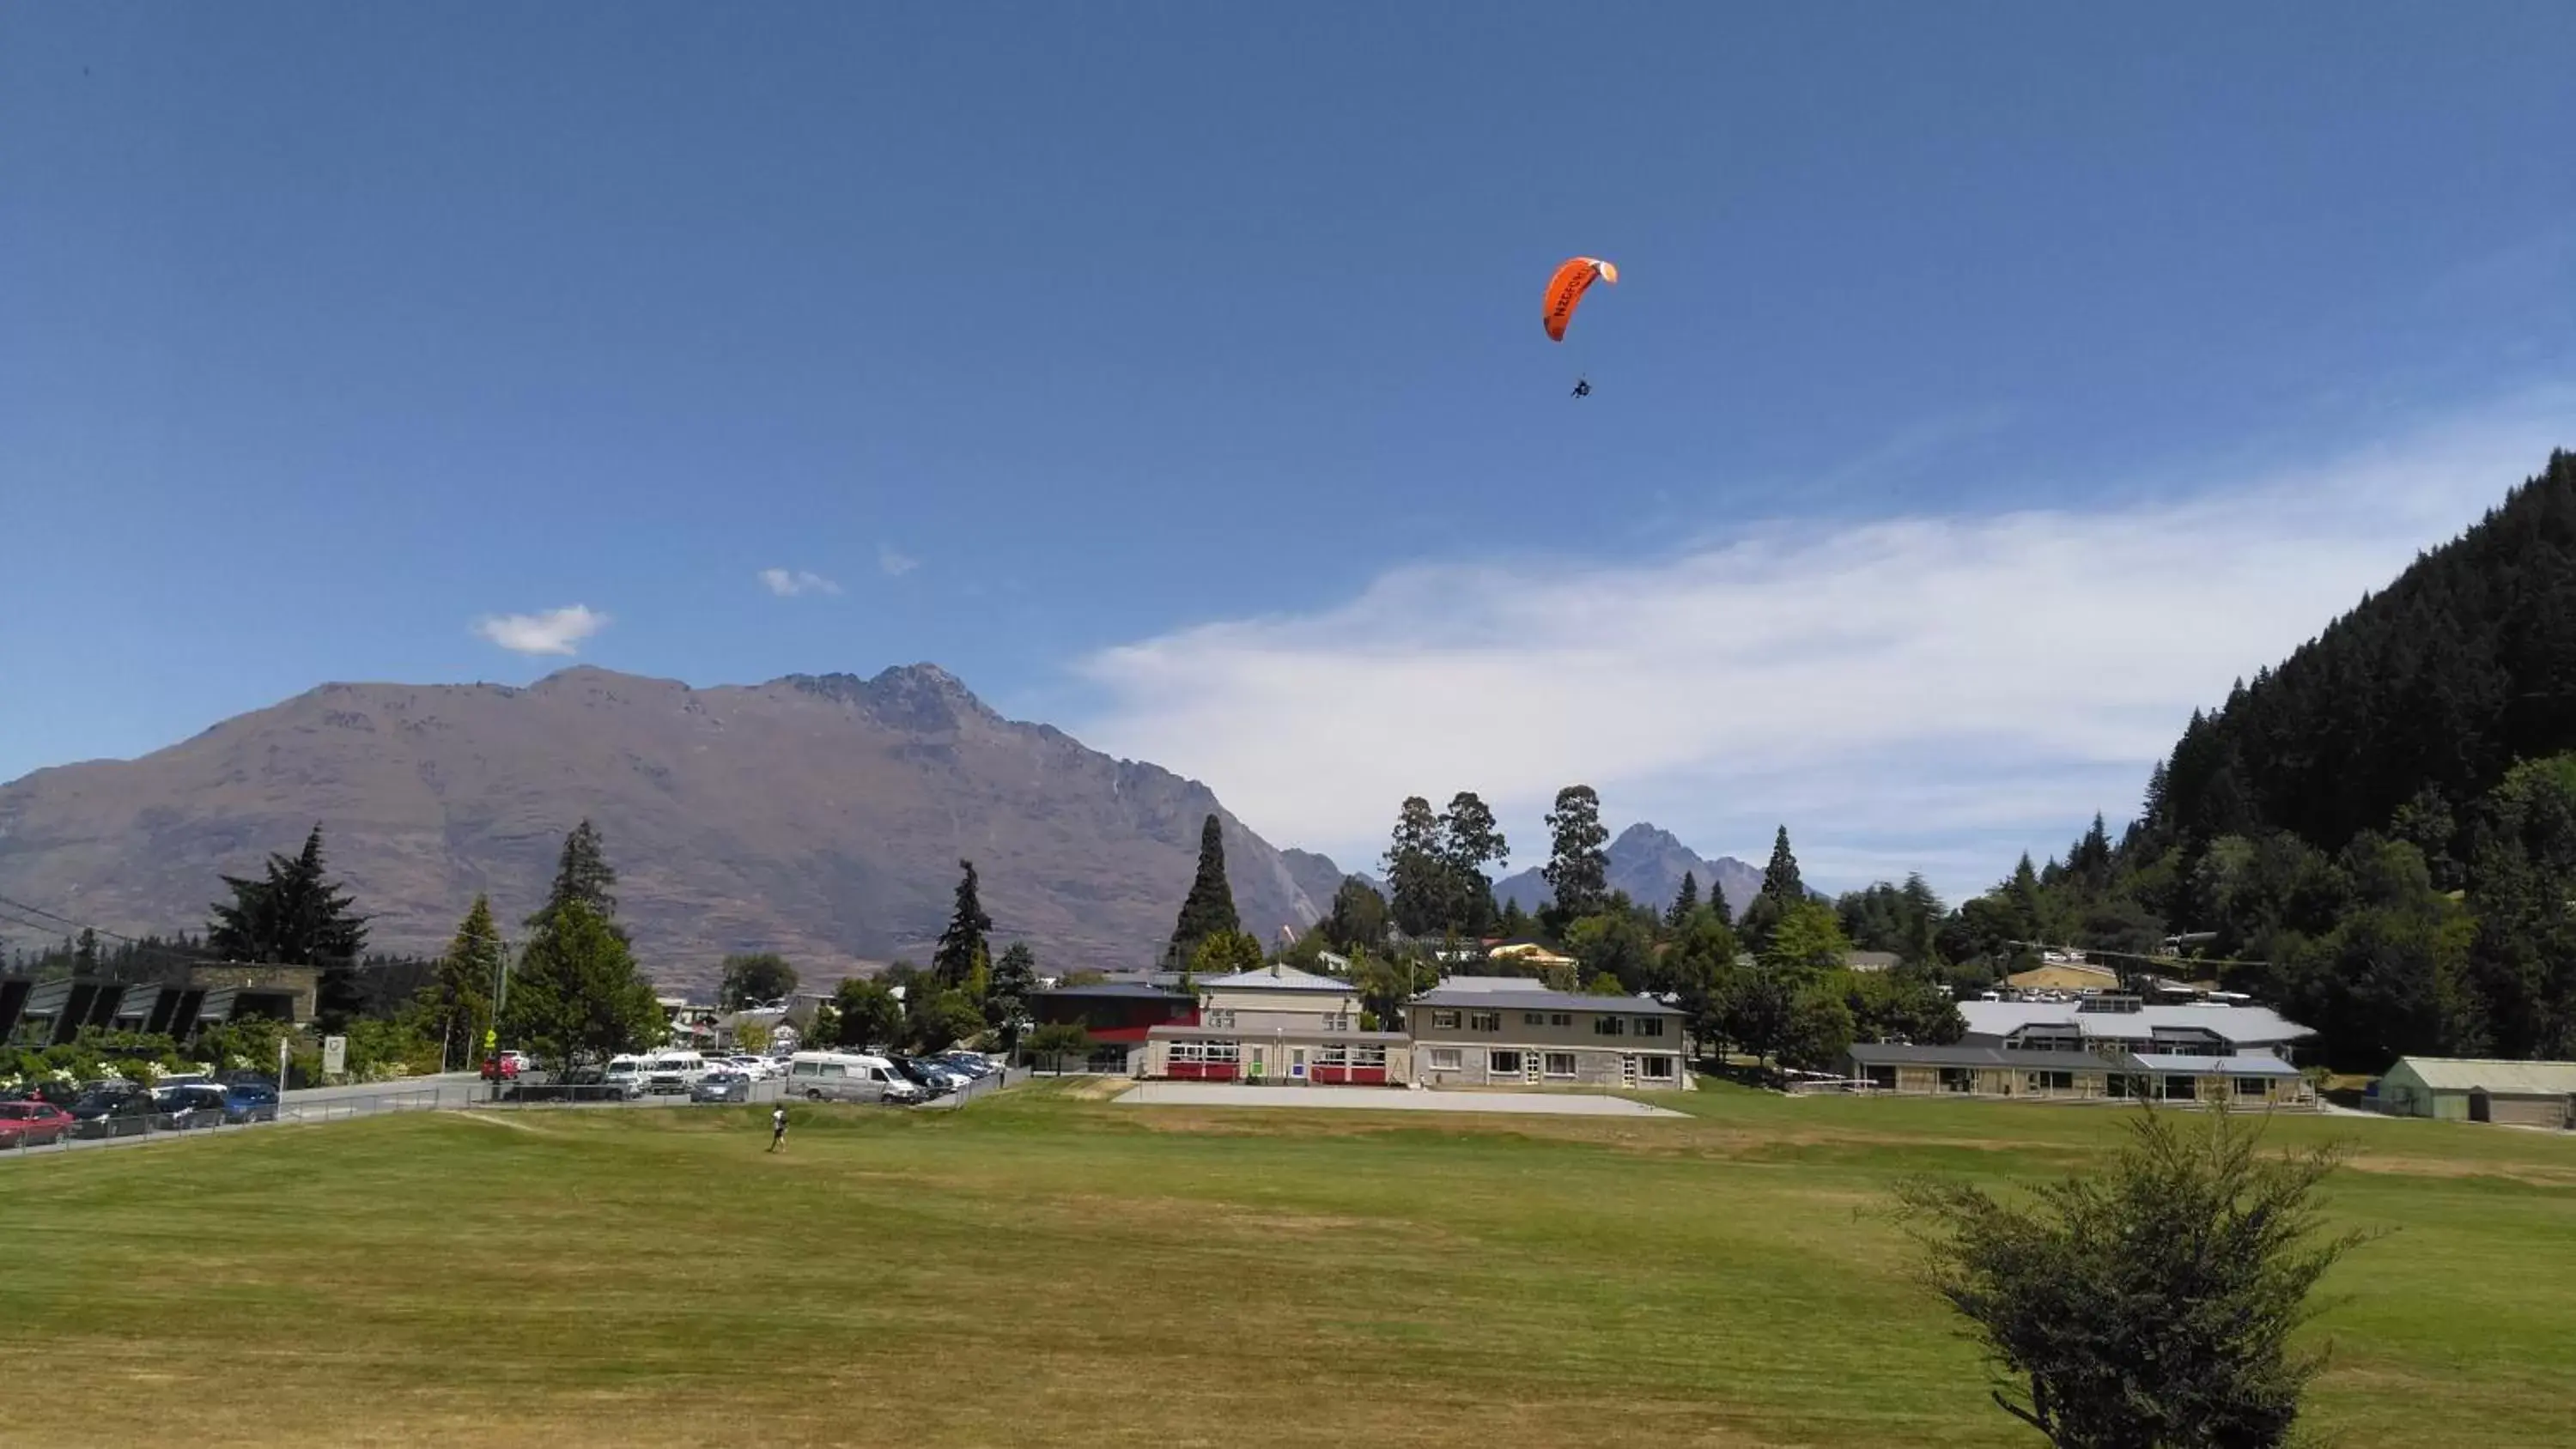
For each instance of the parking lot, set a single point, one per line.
(450, 1092)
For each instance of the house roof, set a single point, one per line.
(2461, 1074)
(2237, 1024)
(1890, 1054)
(2249, 1064)
(1870, 960)
(1532, 996)
(1116, 991)
(1176, 1031)
(1490, 983)
(1278, 976)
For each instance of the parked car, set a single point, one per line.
(206, 1102)
(934, 1079)
(837, 1076)
(32, 1124)
(721, 1087)
(973, 1064)
(673, 1072)
(104, 1102)
(507, 1066)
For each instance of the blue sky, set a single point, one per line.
(1985, 386)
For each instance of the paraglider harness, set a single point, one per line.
(1582, 387)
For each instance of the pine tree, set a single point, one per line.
(458, 999)
(582, 873)
(1717, 903)
(577, 995)
(963, 948)
(1578, 867)
(294, 917)
(1514, 922)
(85, 955)
(1209, 907)
(1780, 878)
(1685, 902)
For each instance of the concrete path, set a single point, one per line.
(1385, 1099)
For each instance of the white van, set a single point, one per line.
(830, 1076)
(674, 1071)
(627, 1070)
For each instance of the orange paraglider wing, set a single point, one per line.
(1567, 287)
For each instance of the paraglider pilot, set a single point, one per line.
(1582, 387)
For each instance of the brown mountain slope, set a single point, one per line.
(822, 817)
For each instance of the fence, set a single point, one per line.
(341, 1104)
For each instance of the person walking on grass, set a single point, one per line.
(777, 1128)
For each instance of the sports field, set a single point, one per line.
(1042, 1269)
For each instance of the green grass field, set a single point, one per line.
(1041, 1269)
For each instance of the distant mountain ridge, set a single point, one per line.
(819, 815)
(1648, 863)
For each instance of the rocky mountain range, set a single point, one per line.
(821, 816)
(1648, 863)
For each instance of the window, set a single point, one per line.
(1655, 1069)
(1559, 1064)
(2181, 1089)
(1445, 1021)
(2249, 1086)
(1609, 1026)
(1485, 1021)
(1650, 1026)
(1368, 1056)
(1533, 1018)
(1958, 1079)
(1444, 1059)
(1220, 1018)
(1332, 1056)
(1560, 1018)
(2052, 1081)
(1503, 1064)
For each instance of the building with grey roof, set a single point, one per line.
(1509, 1031)
(2471, 1089)
(2078, 1074)
(2125, 1024)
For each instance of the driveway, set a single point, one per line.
(1387, 1099)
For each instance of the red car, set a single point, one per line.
(32, 1124)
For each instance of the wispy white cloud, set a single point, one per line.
(555, 631)
(788, 583)
(895, 565)
(1912, 692)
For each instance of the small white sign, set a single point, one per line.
(335, 1055)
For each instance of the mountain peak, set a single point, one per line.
(1648, 862)
(920, 696)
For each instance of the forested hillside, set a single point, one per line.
(2381, 833)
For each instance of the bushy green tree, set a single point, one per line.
(756, 978)
(577, 994)
(935, 1023)
(1470, 840)
(1013, 991)
(1578, 863)
(2150, 1303)
(1359, 918)
(1418, 878)
(864, 1013)
(1225, 954)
